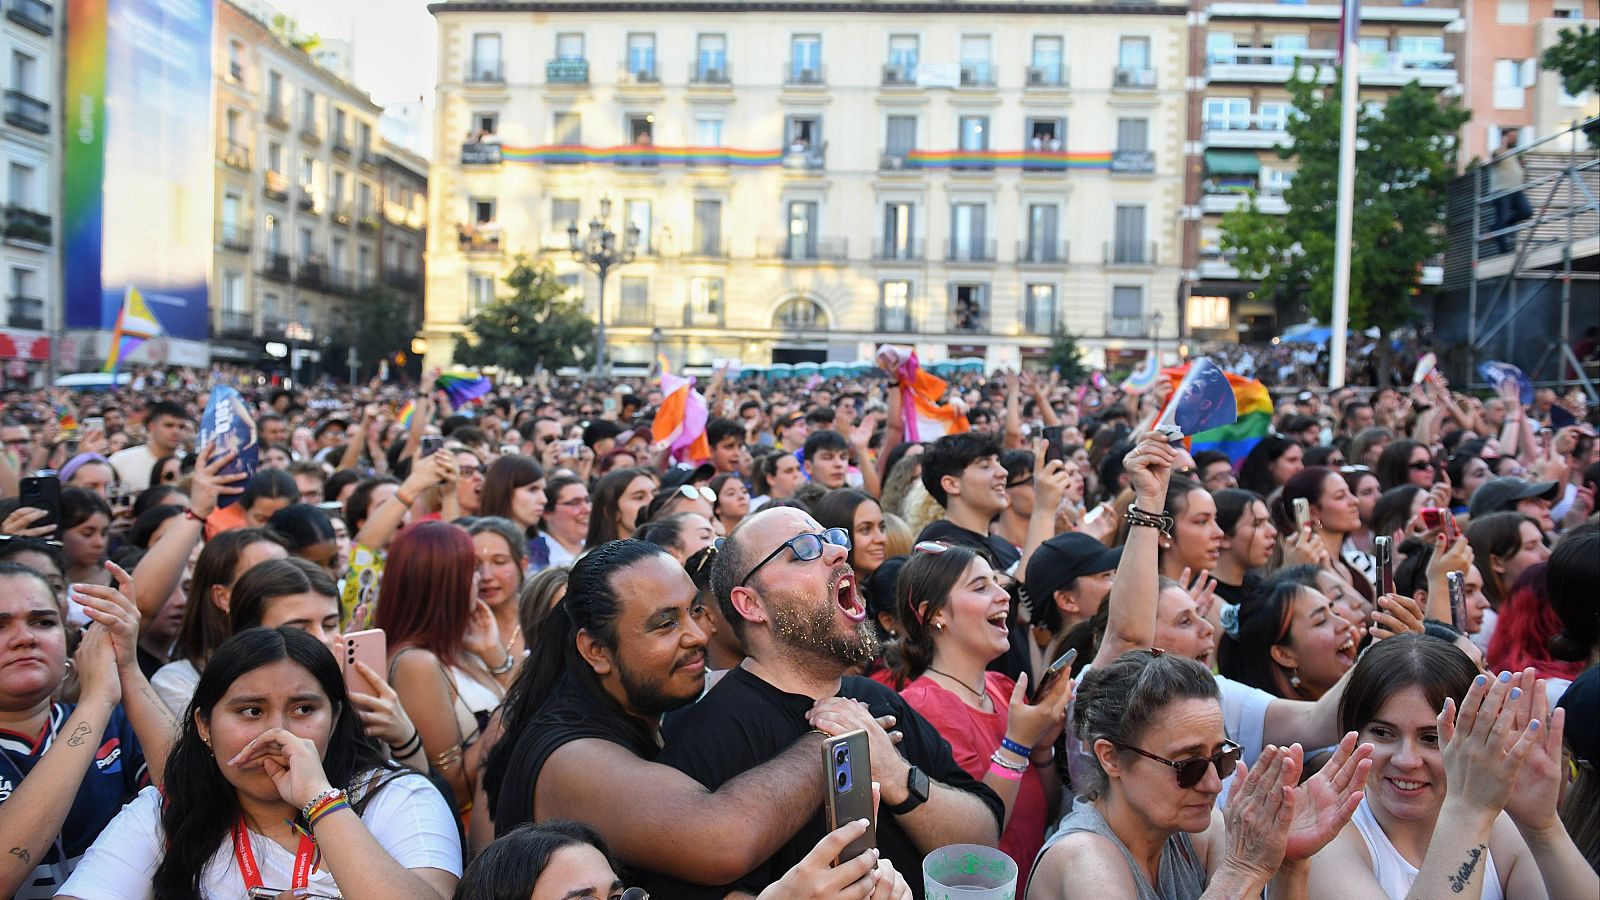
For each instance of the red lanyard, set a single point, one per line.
(304, 859)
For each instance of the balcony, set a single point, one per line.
(1041, 252)
(894, 160)
(1130, 253)
(566, 71)
(1218, 199)
(702, 317)
(901, 75)
(277, 113)
(706, 248)
(643, 72)
(233, 237)
(802, 75)
(1133, 78)
(977, 74)
(709, 73)
(482, 239)
(275, 187)
(311, 273)
(1056, 76)
(236, 324)
(1252, 132)
(341, 281)
(27, 112)
(1431, 70)
(804, 156)
(897, 321)
(970, 251)
(485, 72)
(799, 249)
(275, 266)
(1126, 326)
(344, 212)
(480, 153)
(367, 221)
(969, 317)
(1217, 264)
(236, 155)
(1133, 162)
(26, 312)
(1263, 64)
(978, 161)
(35, 15)
(402, 280)
(341, 145)
(28, 226)
(309, 200)
(398, 215)
(897, 250)
(310, 131)
(368, 160)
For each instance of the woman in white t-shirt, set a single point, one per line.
(273, 785)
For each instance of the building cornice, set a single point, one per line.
(909, 7)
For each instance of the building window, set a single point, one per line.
(274, 238)
(805, 59)
(1133, 64)
(801, 241)
(635, 306)
(24, 69)
(967, 232)
(486, 65)
(1512, 77)
(1042, 245)
(637, 214)
(800, 314)
(708, 131)
(974, 132)
(705, 303)
(1220, 48)
(232, 292)
(564, 211)
(641, 129)
(708, 228)
(364, 199)
(1207, 312)
(976, 60)
(1227, 113)
(1511, 12)
(569, 47)
(1273, 116)
(19, 185)
(1040, 315)
(642, 56)
(969, 307)
(1127, 311)
(308, 109)
(804, 133)
(904, 53)
(480, 292)
(275, 157)
(274, 92)
(901, 137)
(571, 286)
(1047, 135)
(567, 129)
(894, 306)
(711, 58)
(1133, 135)
(482, 210)
(897, 232)
(1048, 63)
(1287, 48)
(307, 239)
(1129, 230)
(236, 59)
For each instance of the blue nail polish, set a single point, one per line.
(1534, 725)
(1515, 693)
(1505, 677)
(1481, 680)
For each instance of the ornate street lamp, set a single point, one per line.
(598, 250)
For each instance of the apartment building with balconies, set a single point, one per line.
(30, 142)
(1503, 84)
(1243, 54)
(809, 183)
(297, 187)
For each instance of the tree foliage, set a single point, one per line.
(1067, 357)
(1407, 158)
(535, 324)
(1576, 58)
(382, 322)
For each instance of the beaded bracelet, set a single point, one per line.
(1008, 744)
(1004, 772)
(1159, 521)
(320, 801)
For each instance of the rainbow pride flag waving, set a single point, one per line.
(135, 325)
(1254, 420)
(462, 387)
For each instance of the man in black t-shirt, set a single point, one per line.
(962, 472)
(792, 598)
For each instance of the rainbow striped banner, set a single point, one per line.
(657, 155)
(1254, 423)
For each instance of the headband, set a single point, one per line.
(78, 462)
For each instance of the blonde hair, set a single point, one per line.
(921, 510)
(899, 534)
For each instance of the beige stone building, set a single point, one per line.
(810, 181)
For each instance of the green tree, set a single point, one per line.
(1406, 159)
(1067, 357)
(382, 322)
(1576, 58)
(533, 325)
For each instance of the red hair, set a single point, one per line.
(1526, 620)
(425, 595)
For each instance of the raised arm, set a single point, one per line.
(116, 611)
(860, 438)
(382, 522)
(894, 425)
(160, 571)
(1131, 622)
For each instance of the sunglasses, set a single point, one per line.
(1421, 466)
(697, 492)
(1190, 771)
(1020, 484)
(806, 547)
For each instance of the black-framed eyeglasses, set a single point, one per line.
(1191, 771)
(1020, 484)
(806, 547)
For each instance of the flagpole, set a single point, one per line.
(1344, 225)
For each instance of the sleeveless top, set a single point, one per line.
(1393, 872)
(1182, 874)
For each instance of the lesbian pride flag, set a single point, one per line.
(1253, 422)
(926, 419)
(682, 419)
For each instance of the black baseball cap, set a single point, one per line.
(1582, 703)
(1503, 494)
(1063, 558)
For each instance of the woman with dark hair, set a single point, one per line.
(1145, 815)
(205, 617)
(565, 524)
(513, 488)
(1504, 545)
(856, 512)
(953, 613)
(308, 532)
(681, 534)
(267, 491)
(147, 528)
(1571, 578)
(159, 495)
(548, 861)
(1364, 485)
(498, 544)
(1368, 445)
(85, 521)
(1467, 472)
(1195, 543)
(1526, 621)
(1270, 464)
(1461, 798)
(447, 660)
(1405, 462)
(1396, 509)
(619, 498)
(1289, 642)
(733, 500)
(270, 783)
(1335, 516)
(1248, 538)
(166, 470)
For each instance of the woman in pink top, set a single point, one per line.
(954, 615)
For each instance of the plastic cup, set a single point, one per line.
(969, 872)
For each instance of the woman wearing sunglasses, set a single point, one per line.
(1146, 814)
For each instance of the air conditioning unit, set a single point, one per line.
(893, 161)
(809, 75)
(891, 75)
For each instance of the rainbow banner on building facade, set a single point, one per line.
(647, 155)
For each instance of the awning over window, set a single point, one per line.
(1232, 162)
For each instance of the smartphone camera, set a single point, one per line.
(841, 768)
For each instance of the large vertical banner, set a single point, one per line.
(137, 198)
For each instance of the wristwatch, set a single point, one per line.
(917, 786)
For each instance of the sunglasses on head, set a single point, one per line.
(1191, 771)
(697, 492)
(806, 547)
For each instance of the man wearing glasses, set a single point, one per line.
(785, 587)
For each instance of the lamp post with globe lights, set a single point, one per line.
(598, 250)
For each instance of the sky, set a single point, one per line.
(394, 41)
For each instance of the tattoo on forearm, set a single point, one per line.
(22, 854)
(78, 734)
(1463, 875)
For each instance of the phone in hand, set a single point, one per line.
(1302, 513)
(847, 770)
(1061, 665)
(94, 423)
(1456, 583)
(429, 445)
(572, 449)
(1383, 549)
(370, 647)
(1052, 442)
(1437, 518)
(43, 492)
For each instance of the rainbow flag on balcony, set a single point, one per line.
(135, 325)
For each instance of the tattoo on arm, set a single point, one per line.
(1458, 881)
(78, 734)
(22, 854)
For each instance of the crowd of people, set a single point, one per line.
(515, 649)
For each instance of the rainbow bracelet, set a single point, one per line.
(332, 806)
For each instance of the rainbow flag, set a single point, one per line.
(1144, 377)
(66, 420)
(682, 418)
(135, 325)
(926, 418)
(404, 418)
(463, 387)
(1006, 159)
(1254, 422)
(642, 154)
